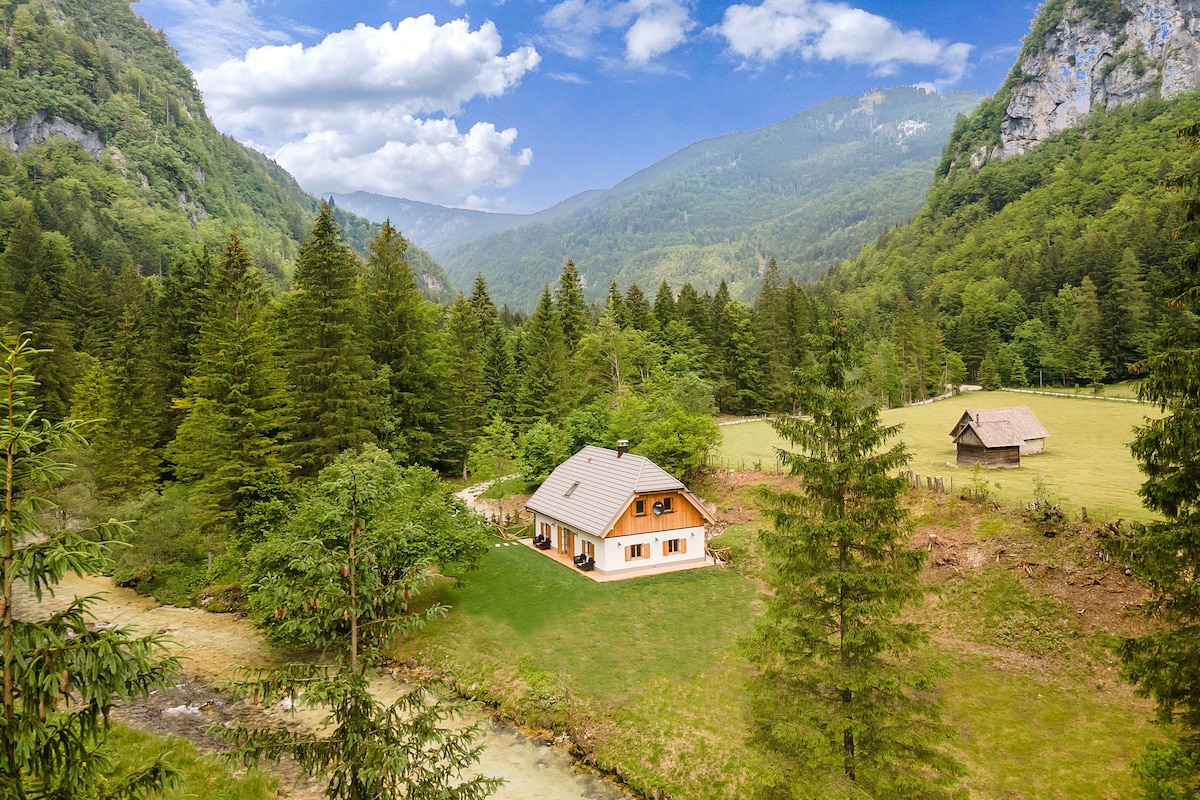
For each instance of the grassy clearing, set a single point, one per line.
(1033, 733)
(1086, 464)
(206, 776)
(645, 675)
(646, 671)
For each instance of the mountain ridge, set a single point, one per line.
(807, 191)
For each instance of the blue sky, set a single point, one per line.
(514, 105)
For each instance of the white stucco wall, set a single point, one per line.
(610, 553)
(614, 549)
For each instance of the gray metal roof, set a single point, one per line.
(1001, 427)
(591, 488)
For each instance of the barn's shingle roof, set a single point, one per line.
(1001, 427)
(591, 488)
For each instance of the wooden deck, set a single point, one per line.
(625, 574)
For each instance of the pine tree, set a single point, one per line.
(400, 329)
(834, 696)
(331, 373)
(231, 437)
(60, 675)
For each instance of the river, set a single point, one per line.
(211, 644)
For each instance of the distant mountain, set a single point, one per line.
(438, 229)
(104, 134)
(808, 192)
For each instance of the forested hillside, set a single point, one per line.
(808, 192)
(109, 145)
(1039, 268)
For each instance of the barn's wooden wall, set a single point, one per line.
(970, 455)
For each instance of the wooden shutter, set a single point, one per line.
(682, 546)
(667, 547)
(628, 552)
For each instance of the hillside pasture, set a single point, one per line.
(1087, 463)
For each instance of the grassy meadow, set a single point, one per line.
(1086, 464)
(647, 678)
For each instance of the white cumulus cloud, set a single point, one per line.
(373, 108)
(650, 27)
(829, 31)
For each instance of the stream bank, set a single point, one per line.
(211, 645)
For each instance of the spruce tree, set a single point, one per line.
(126, 445)
(1165, 663)
(400, 329)
(61, 675)
(499, 374)
(331, 373)
(231, 437)
(548, 388)
(177, 316)
(664, 305)
(835, 694)
(573, 316)
(641, 315)
(466, 398)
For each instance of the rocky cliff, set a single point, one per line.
(1085, 55)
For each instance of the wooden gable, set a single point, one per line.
(685, 512)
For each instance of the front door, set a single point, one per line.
(566, 541)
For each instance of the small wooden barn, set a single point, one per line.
(998, 437)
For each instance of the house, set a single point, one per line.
(998, 437)
(611, 511)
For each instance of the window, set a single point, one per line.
(589, 549)
(639, 508)
(674, 547)
(666, 501)
(636, 551)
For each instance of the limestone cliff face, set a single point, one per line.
(1084, 65)
(16, 136)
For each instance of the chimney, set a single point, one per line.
(622, 447)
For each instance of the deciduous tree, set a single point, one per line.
(344, 587)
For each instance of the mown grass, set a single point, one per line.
(1087, 463)
(206, 776)
(647, 675)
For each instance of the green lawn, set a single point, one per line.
(207, 776)
(1086, 464)
(647, 674)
